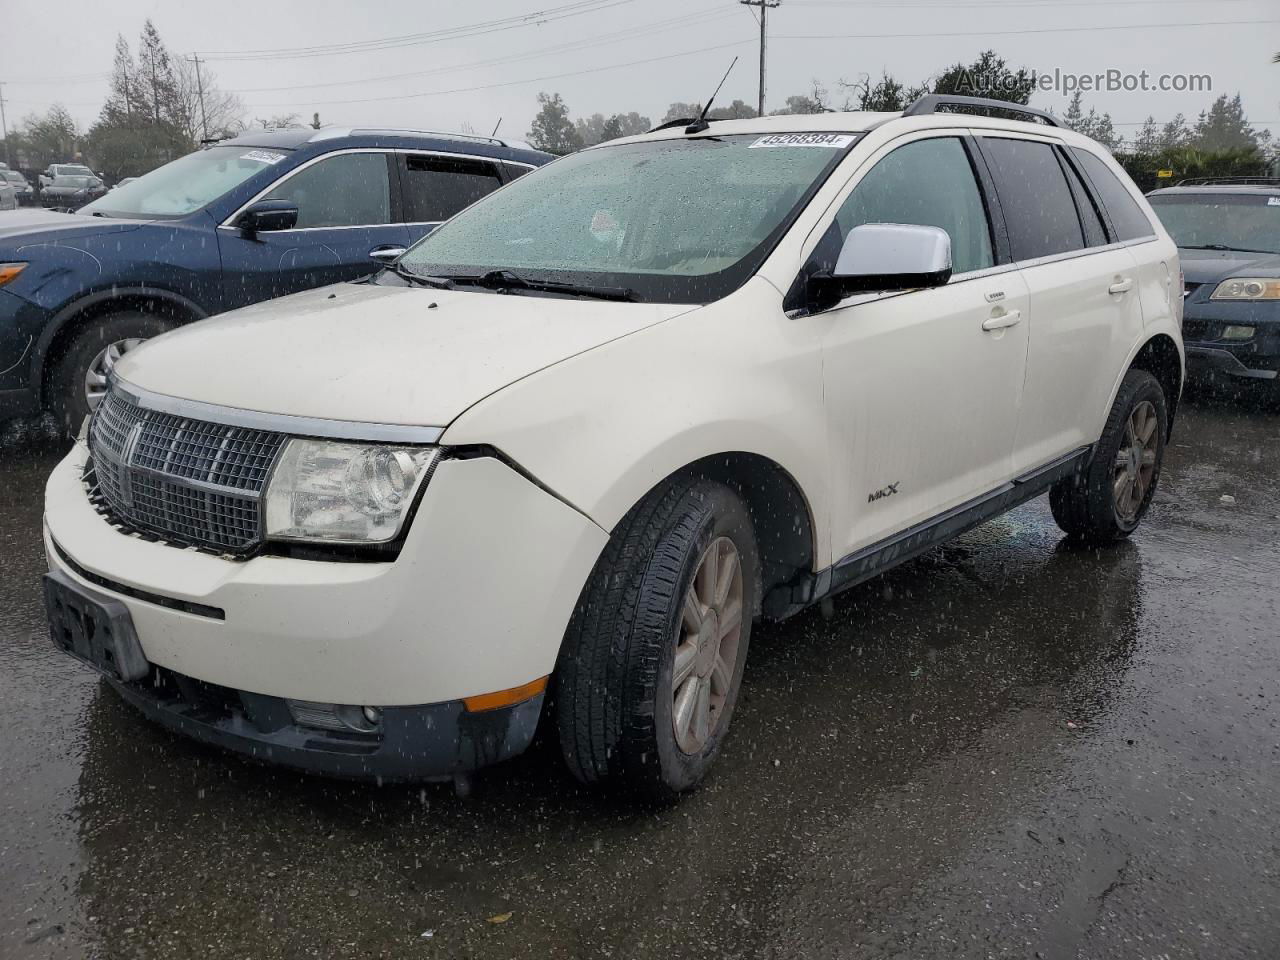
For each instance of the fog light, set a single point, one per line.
(1233, 332)
(335, 716)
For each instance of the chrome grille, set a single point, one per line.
(188, 481)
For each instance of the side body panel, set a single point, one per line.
(1080, 335)
(602, 429)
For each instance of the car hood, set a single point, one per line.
(1206, 266)
(377, 354)
(30, 224)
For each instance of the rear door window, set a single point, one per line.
(1127, 218)
(1095, 234)
(437, 187)
(1037, 204)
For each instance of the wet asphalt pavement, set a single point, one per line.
(1007, 748)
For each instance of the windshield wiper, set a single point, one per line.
(506, 280)
(438, 283)
(1223, 246)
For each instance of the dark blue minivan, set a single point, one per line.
(246, 219)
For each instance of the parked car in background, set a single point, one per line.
(55, 170)
(71, 192)
(22, 189)
(582, 435)
(1228, 236)
(244, 220)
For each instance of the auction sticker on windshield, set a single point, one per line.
(833, 140)
(262, 156)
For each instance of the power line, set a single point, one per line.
(662, 26)
(992, 33)
(515, 83)
(536, 18)
(1006, 4)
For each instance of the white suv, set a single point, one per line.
(581, 436)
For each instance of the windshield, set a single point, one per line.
(186, 184)
(13, 176)
(1249, 222)
(72, 181)
(685, 220)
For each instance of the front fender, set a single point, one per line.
(603, 428)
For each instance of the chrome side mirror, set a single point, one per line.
(881, 257)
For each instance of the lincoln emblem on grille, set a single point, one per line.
(126, 461)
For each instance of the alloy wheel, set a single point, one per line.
(95, 378)
(1135, 464)
(707, 646)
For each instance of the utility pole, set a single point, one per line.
(4, 128)
(204, 121)
(764, 6)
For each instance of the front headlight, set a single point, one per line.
(344, 492)
(1247, 288)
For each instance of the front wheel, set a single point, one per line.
(653, 658)
(79, 377)
(1108, 501)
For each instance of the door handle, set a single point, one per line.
(1009, 318)
(1123, 285)
(386, 254)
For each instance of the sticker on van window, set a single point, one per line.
(262, 156)
(835, 141)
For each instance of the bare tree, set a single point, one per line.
(223, 111)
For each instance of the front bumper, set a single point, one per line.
(1204, 359)
(1210, 355)
(430, 742)
(477, 601)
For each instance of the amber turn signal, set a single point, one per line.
(505, 698)
(9, 271)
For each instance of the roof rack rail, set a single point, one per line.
(1229, 181)
(432, 133)
(931, 102)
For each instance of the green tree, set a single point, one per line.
(1147, 140)
(799, 104)
(1092, 124)
(552, 130)
(988, 76)
(737, 110)
(1224, 126)
(1174, 133)
(154, 111)
(42, 139)
(888, 94)
(157, 83)
(632, 123)
(682, 111)
(590, 129)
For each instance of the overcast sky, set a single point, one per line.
(593, 56)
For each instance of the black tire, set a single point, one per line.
(66, 391)
(614, 677)
(1085, 506)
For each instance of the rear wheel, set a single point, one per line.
(79, 377)
(1108, 501)
(653, 658)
